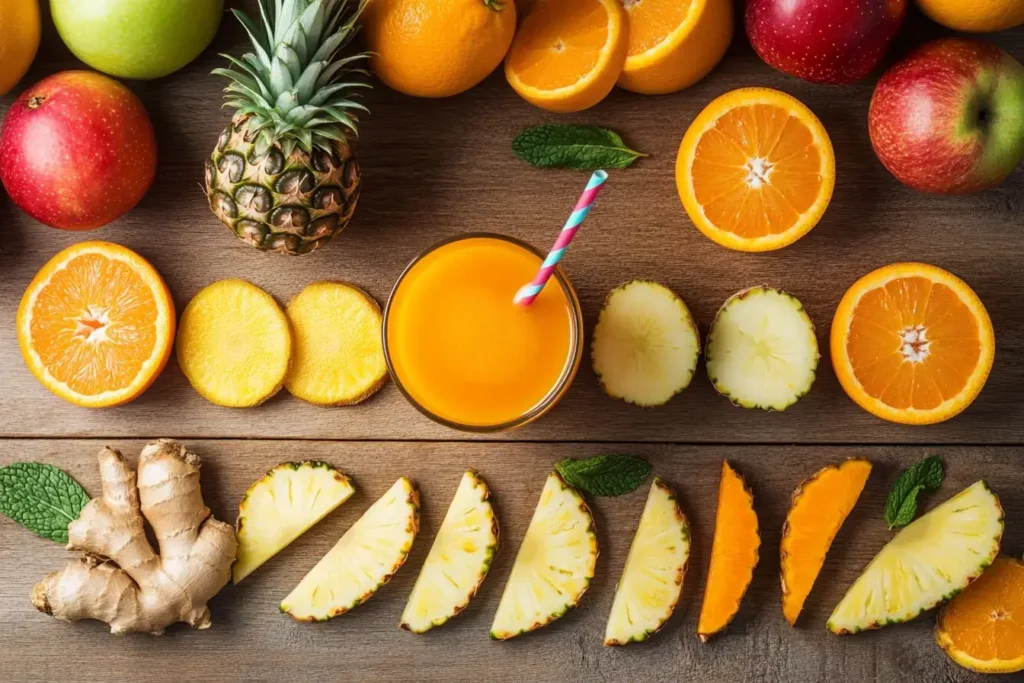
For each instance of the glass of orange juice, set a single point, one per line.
(463, 353)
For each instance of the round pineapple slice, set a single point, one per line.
(554, 566)
(363, 561)
(645, 345)
(929, 561)
(234, 344)
(761, 351)
(652, 579)
(339, 350)
(458, 561)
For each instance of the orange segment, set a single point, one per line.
(755, 170)
(96, 325)
(912, 343)
(982, 629)
(734, 554)
(567, 54)
(820, 506)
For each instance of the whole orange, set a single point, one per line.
(19, 40)
(437, 48)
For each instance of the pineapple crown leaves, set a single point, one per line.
(294, 86)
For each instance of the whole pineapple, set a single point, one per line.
(283, 176)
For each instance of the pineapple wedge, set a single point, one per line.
(365, 558)
(554, 566)
(929, 561)
(282, 506)
(458, 561)
(652, 579)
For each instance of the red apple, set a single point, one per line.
(824, 41)
(77, 151)
(950, 117)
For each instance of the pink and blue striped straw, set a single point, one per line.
(528, 292)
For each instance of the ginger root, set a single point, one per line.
(121, 580)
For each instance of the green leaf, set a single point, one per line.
(604, 475)
(584, 148)
(41, 498)
(901, 507)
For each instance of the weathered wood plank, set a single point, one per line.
(437, 168)
(251, 641)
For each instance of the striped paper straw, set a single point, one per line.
(528, 292)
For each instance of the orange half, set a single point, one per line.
(755, 170)
(567, 54)
(912, 343)
(96, 325)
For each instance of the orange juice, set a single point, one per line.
(463, 353)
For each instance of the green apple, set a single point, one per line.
(140, 39)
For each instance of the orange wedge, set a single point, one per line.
(982, 629)
(96, 325)
(755, 170)
(912, 343)
(674, 43)
(567, 54)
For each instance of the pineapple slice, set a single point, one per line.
(282, 506)
(645, 344)
(929, 561)
(554, 566)
(652, 579)
(458, 561)
(365, 558)
(339, 350)
(762, 352)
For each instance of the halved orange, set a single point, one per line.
(755, 170)
(982, 629)
(912, 343)
(96, 325)
(567, 54)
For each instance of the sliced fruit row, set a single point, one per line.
(238, 348)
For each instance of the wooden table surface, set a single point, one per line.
(433, 169)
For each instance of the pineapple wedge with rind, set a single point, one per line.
(554, 565)
(652, 579)
(459, 559)
(928, 562)
(646, 344)
(762, 351)
(365, 558)
(282, 506)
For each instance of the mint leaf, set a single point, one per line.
(41, 498)
(604, 475)
(584, 148)
(901, 507)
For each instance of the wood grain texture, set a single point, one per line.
(437, 168)
(251, 641)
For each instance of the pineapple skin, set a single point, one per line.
(291, 205)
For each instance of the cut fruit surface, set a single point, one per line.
(755, 170)
(734, 554)
(96, 325)
(567, 54)
(339, 352)
(234, 344)
(365, 558)
(982, 629)
(458, 561)
(652, 579)
(646, 344)
(929, 561)
(282, 506)
(674, 43)
(554, 565)
(761, 350)
(912, 343)
(819, 507)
